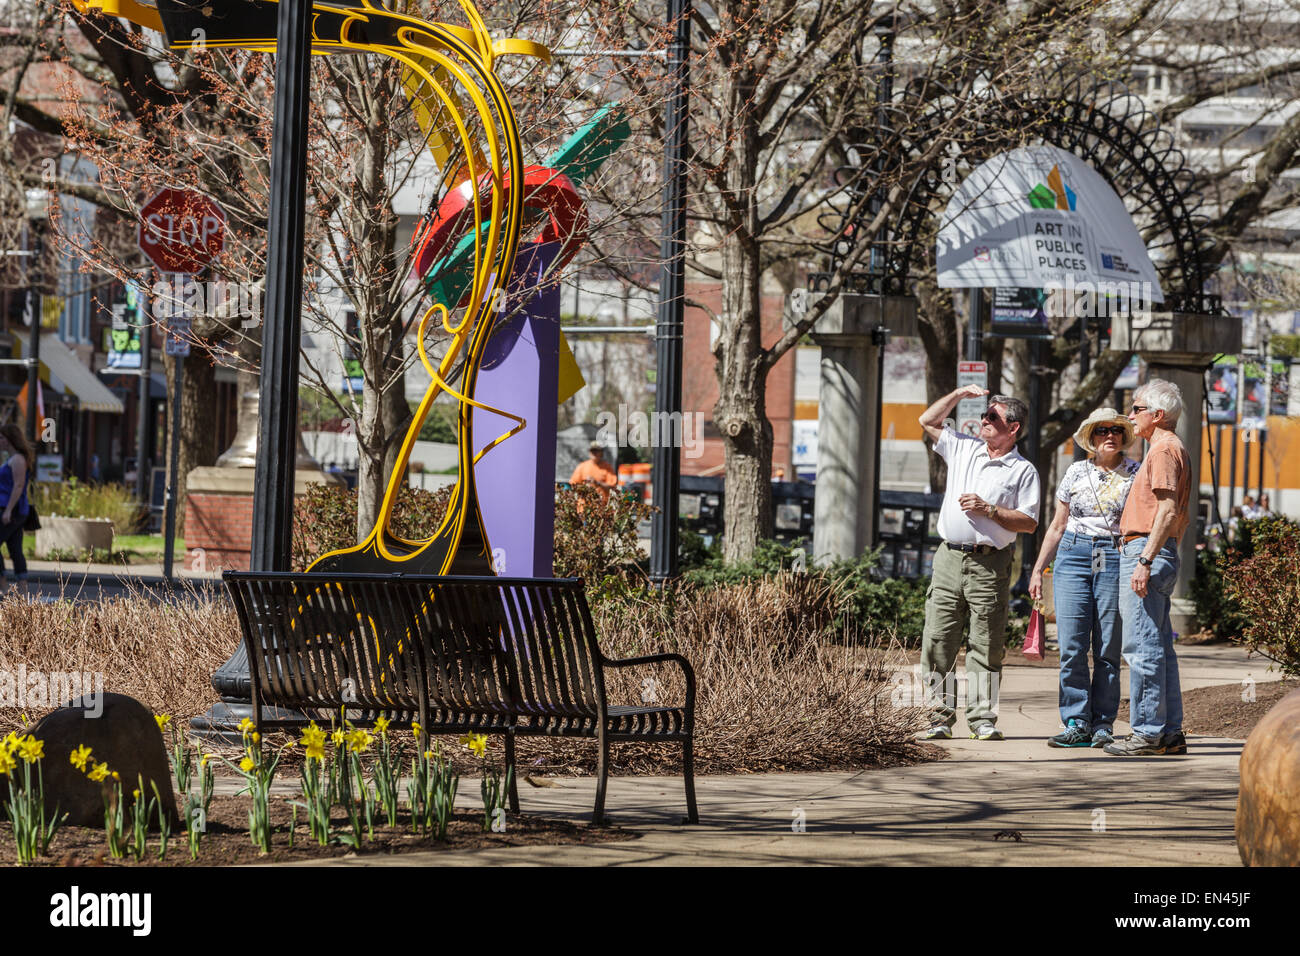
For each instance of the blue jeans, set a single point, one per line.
(1085, 583)
(1155, 697)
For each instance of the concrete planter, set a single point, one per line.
(76, 535)
(1268, 805)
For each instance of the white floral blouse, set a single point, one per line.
(1096, 497)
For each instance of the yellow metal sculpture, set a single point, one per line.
(449, 78)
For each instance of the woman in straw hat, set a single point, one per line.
(1083, 538)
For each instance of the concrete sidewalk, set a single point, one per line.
(1070, 807)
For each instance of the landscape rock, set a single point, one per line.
(1268, 804)
(121, 732)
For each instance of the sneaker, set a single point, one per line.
(1135, 745)
(1074, 735)
(985, 731)
(937, 732)
(1175, 743)
(1102, 736)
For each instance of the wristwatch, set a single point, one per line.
(1144, 561)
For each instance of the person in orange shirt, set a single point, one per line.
(596, 471)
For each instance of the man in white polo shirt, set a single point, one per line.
(992, 496)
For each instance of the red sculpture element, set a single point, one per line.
(546, 191)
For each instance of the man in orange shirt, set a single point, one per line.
(1155, 516)
(595, 471)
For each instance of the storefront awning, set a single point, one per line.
(67, 374)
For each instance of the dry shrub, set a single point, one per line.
(774, 691)
(162, 653)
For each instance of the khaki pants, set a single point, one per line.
(978, 584)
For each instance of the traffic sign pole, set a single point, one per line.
(177, 345)
(174, 461)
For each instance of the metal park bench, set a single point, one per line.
(508, 656)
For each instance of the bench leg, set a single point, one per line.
(688, 771)
(512, 773)
(602, 777)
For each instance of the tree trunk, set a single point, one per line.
(740, 412)
(938, 329)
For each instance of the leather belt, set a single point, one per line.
(972, 548)
(1133, 537)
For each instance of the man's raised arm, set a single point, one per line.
(932, 418)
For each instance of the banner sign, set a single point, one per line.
(1040, 217)
(1253, 392)
(1279, 382)
(1222, 391)
(1019, 313)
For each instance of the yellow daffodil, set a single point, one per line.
(31, 749)
(7, 762)
(99, 772)
(475, 742)
(257, 738)
(381, 725)
(162, 720)
(246, 764)
(415, 728)
(135, 794)
(11, 742)
(339, 737)
(359, 740)
(115, 775)
(203, 761)
(79, 757)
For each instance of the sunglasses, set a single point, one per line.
(990, 416)
(1140, 408)
(1101, 431)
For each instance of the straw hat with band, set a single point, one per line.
(1102, 416)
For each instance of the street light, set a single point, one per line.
(666, 454)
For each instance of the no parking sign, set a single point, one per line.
(969, 410)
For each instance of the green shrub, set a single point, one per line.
(1216, 610)
(76, 499)
(325, 519)
(596, 540)
(1265, 588)
(859, 599)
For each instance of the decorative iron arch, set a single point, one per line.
(1100, 122)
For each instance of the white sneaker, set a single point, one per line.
(936, 732)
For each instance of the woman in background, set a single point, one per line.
(1083, 538)
(13, 497)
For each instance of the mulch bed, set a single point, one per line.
(227, 842)
(1219, 711)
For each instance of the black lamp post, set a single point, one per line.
(281, 331)
(666, 454)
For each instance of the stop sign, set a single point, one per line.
(181, 230)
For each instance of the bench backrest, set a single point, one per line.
(547, 629)
(315, 641)
(486, 644)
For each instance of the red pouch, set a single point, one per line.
(1033, 648)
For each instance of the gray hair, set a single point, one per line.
(1161, 396)
(1017, 411)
